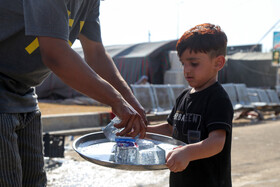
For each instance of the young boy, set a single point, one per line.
(202, 115)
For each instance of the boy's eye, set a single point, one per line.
(194, 64)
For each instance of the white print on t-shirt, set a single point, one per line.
(190, 124)
(188, 118)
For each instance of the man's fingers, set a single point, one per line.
(121, 124)
(144, 119)
(135, 129)
(132, 127)
(142, 134)
(138, 128)
(128, 125)
(143, 129)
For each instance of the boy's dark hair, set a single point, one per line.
(206, 38)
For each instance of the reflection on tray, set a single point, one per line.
(150, 154)
(103, 151)
(147, 153)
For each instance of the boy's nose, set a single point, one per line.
(186, 69)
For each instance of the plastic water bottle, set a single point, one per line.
(110, 130)
(126, 151)
(149, 153)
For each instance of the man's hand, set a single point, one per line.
(131, 121)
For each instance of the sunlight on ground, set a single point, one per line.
(52, 108)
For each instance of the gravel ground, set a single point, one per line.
(80, 173)
(255, 163)
(73, 171)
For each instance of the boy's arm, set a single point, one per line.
(163, 128)
(74, 71)
(178, 159)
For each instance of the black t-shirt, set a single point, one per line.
(193, 117)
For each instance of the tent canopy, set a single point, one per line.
(254, 69)
(150, 59)
(142, 50)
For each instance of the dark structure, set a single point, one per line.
(244, 48)
(150, 59)
(253, 69)
(245, 64)
(53, 145)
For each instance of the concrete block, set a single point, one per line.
(175, 77)
(174, 61)
(74, 121)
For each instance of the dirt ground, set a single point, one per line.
(52, 108)
(255, 148)
(256, 155)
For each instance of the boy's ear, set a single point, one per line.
(220, 62)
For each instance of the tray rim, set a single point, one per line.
(110, 164)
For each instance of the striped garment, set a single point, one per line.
(21, 150)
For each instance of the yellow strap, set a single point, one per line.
(81, 25)
(71, 21)
(33, 46)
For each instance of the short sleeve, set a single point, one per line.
(46, 18)
(91, 28)
(221, 114)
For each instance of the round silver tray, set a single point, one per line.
(99, 138)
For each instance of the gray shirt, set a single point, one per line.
(21, 21)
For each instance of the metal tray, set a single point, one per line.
(107, 158)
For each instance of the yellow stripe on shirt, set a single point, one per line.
(33, 46)
(71, 21)
(81, 25)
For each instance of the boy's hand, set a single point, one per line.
(177, 160)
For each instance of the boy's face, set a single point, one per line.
(200, 70)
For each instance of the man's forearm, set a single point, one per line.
(117, 81)
(102, 63)
(71, 68)
(108, 71)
